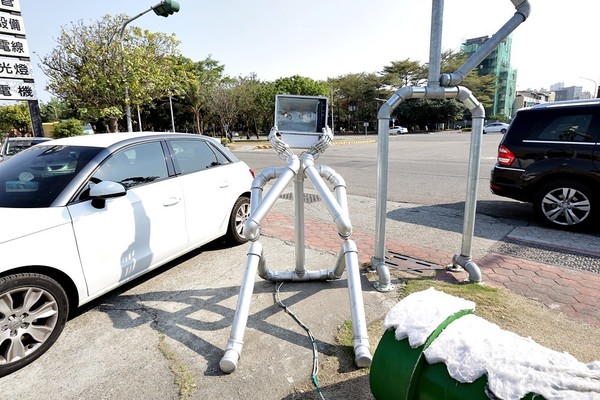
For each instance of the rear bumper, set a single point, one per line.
(507, 182)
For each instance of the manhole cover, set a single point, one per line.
(308, 198)
(408, 264)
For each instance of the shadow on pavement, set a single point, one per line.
(449, 217)
(177, 314)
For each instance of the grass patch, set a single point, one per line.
(184, 379)
(340, 379)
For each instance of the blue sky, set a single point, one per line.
(328, 38)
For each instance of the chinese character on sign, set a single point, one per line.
(20, 69)
(17, 47)
(25, 91)
(5, 45)
(9, 3)
(3, 23)
(5, 67)
(5, 90)
(14, 24)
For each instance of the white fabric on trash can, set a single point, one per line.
(471, 347)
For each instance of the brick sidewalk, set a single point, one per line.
(572, 292)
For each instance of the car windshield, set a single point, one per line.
(37, 176)
(16, 146)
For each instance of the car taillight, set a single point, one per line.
(505, 156)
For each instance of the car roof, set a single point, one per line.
(28, 139)
(567, 103)
(108, 139)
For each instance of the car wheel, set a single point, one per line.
(503, 131)
(237, 220)
(565, 204)
(33, 313)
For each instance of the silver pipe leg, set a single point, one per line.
(229, 362)
(362, 350)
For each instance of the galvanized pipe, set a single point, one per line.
(340, 216)
(293, 276)
(339, 185)
(435, 44)
(252, 225)
(478, 115)
(362, 352)
(299, 222)
(456, 78)
(230, 359)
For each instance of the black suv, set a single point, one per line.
(550, 156)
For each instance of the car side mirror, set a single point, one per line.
(104, 190)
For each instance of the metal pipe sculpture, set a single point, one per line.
(440, 87)
(297, 169)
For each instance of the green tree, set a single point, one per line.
(354, 100)
(203, 77)
(224, 104)
(54, 110)
(300, 85)
(69, 127)
(15, 118)
(90, 66)
(404, 73)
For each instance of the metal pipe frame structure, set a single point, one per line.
(297, 169)
(440, 86)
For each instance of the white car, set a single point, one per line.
(86, 214)
(496, 127)
(395, 130)
(14, 145)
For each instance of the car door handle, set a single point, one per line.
(223, 184)
(171, 201)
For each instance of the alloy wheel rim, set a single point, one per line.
(28, 316)
(566, 206)
(241, 217)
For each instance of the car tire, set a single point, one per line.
(503, 131)
(566, 205)
(237, 220)
(33, 312)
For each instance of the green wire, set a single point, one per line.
(315, 369)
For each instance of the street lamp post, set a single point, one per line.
(595, 94)
(164, 9)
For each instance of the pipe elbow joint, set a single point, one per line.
(294, 164)
(251, 229)
(523, 7)
(385, 111)
(344, 226)
(452, 79)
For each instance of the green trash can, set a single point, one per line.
(400, 372)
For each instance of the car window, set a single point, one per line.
(196, 155)
(39, 175)
(559, 126)
(135, 165)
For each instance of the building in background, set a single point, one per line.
(529, 98)
(571, 93)
(497, 64)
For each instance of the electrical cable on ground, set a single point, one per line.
(315, 369)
